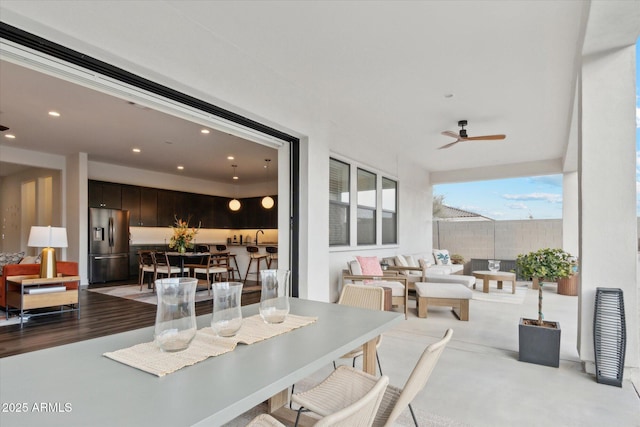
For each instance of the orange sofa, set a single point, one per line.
(67, 268)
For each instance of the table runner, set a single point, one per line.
(149, 358)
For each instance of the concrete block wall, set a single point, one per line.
(496, 239)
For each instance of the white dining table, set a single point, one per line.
(75, 385)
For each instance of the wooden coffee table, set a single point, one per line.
(499, 276)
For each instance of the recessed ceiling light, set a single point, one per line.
(10, 136)
(230, 158)
(54, 114)
(205, 131)
(136, 150)
(180, 167)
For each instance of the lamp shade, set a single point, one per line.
(47, 237)
(234, 205)
(267, 202)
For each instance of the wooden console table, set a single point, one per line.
(31, 291)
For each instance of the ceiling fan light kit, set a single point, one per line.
(463, 136)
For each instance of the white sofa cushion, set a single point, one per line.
(467, 281)
(443, 290)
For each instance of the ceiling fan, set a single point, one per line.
(462, 136)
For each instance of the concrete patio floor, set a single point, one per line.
(480, 382)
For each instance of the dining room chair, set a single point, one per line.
(145, 266)
(347, 397)
(395, 399)
(362, 296)
(162, 266)
(211, 271)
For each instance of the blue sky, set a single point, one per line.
(522, 198)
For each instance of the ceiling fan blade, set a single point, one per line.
(485, 138)
(451, 134)
(451, 144)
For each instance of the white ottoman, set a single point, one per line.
(452, 295)
(468, 281)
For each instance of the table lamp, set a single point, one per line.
(48, 238)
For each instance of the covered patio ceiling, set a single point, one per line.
(402, 71)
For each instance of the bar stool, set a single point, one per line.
(233, 270)
(273, 255)
(257, 256)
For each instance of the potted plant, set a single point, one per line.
(539, 340)
(457, 259)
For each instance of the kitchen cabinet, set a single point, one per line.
(223, 217)
(105, 195)
(142, 204)
(151, 207)
(166, 213)
(255, 216)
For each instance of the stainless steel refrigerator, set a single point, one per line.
(108, 245)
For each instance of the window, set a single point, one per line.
(339, 200)
(369, 218)
(366, 208)
(389, 211)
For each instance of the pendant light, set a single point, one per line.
(235, 204)
(267, 201)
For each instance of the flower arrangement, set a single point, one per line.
(183, 235)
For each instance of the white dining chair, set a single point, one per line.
(396, 399)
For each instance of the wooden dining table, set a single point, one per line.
(75, 385)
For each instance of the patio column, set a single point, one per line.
(570, 229)
(607, 195)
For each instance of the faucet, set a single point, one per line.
(259, 231)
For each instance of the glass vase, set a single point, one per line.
(227, 310)
(274, 299)
(494, 265)
(176, 313)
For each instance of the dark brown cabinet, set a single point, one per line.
(105, 195)
(151, 207)
(166, 212)
(142, 204)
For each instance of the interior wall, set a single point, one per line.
(15, 233)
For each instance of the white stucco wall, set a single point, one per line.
(607, 159)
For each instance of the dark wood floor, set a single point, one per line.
(100, 315)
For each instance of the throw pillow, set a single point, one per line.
(28, 260)
(354, 268)
(10, 258)
(411, 261)
(442, 256)
(424, 263)
(370, 265)
(401, 261)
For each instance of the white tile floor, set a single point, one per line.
(479, 380)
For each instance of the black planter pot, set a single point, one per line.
(539, 344)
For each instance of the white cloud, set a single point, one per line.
(517, 206)
(546, 197)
